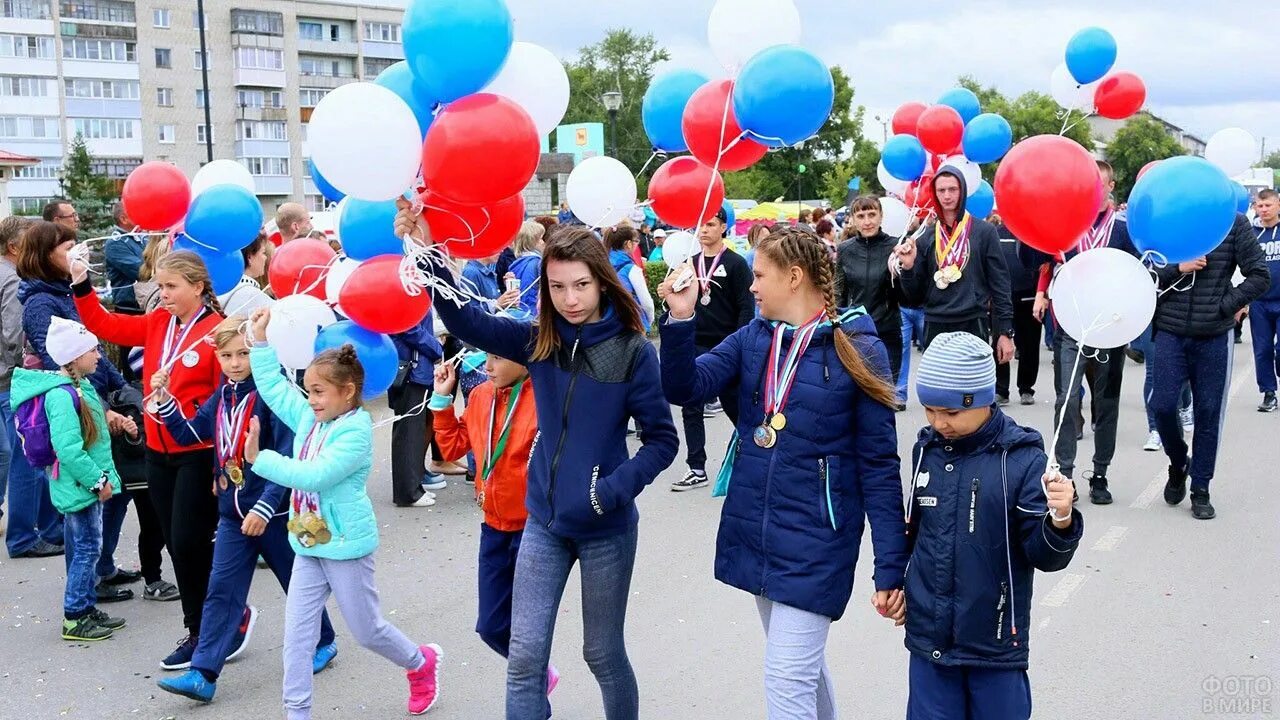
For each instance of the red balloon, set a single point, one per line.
(679, 192)
(156, 195)
(906, 117)
(480, 149)
(374, 298)
(940, 129)
(703, 116)
(469, 231)
(1048, 190)
(919, 195)
(1145, 168)
(300, 266)
(1120, 95)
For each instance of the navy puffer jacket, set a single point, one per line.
(792, 521)
(980, 529)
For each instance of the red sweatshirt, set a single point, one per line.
(192, 379)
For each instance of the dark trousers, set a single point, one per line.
(150, 536)
(1264, 316)
(1026, 338)
(1206, 363)
(976, 326)
(1103, 370)
(939, 692)
(892, 340)
(235, 557)
(408, 443)
(695, 430)
(181, 489)
(496, 575)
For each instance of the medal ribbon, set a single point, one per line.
(1100, 234)
(173, 341)
(704, 275)
(494, 452)
(230, 428)
(956, 251)
(310, 501)
(779, 379)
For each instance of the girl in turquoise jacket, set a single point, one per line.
(331, 524)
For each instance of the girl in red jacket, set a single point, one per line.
(174, 338)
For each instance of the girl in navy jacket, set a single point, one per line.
(815, 459)
(592, 372)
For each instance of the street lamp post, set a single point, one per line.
(884, 127)
(204, 83)
(612, 103)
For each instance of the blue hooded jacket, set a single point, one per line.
(528, 269)
(582, 482)
(793, 518)
(419, 347)
(258, 494)
(42, 300)
(978, 522)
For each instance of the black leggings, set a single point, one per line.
(181, 488)
(150, 536)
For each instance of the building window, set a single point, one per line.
(267, 165)
(275, 98)
(197, 59)
(310, 30)
(160, 17)
(382, 32)
(47, 170)
(26, 9)
(261, 130)
(102, 89)
(26, 46)
(164, 97)
(22, 86)
(310, 97)
(195, 19)
(29, 128)
(335, 33)
(115, 168)
(201, 132)
(104, 128)
(323, 66)
(255, 58)
(96, 49)
(28, 205)
(262, 23)
(103, 10)
(374, 66)
(168, 134)
(250, 98)
(164, 58)
(200, 98)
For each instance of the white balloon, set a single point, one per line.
(1104, 298)
(1233, 150)
(1070, 94)
(536, 80)
(221, 172)
(891, 184)
(968, 168)
(601, 191)
(895, 216)
(365, 141)
(337, 277)
(678, 248)
(295, 322)
(738, 29)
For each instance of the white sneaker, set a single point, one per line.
(427, 500)
(1153, 442)
(1187, 418)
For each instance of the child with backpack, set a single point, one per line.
(331, 525)
(252, 511)
(64, 426)
(984, 515)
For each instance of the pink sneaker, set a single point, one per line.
(424, 682)
(553, 679)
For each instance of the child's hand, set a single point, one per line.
(411, 223)
(160, 384)
(1059, 490)
(253, 525)
(446, 379)
(104, 494)
(682, 302)
(891, 604)
(251, 440)
(129, 425)
(258, 323)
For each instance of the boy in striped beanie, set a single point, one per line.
(985, 513)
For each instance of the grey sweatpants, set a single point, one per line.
(351, 582)
(1103, 370)
(797, 683)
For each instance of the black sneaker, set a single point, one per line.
(1269, 403)
(1027, 398)
(42, 549)
(1176, 487)
(690, 481)
(110, 594)
(86, 629)
(1098, 492)
(105, 620)
(162, 591)
(901, 407)
(122, 577)
(180, 658)
(1201, 508)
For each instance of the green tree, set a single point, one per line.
(1136, 143)
(90, 193)
(1270, 161)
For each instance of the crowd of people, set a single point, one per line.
(536, 382)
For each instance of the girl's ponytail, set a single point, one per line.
(88, 428)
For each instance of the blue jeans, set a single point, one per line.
(1206, 363)
(83, 532)
(912, 329)
(542, 569)
(32, 516)
(5, 451)
(113, 514)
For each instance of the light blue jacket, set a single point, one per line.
(337, 474)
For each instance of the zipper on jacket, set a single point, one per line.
(564, 426)
(973, 504)
(1004, 590)
(824, 471)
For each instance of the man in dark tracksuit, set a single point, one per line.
(1264, 313)
(725, 304)
(1026, 329)
(1192, 339)
(862, 277)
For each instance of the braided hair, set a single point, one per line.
(192, 269)
(796, 247)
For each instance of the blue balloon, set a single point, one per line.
(330, 193)
(982, 202)
(224, 217)
(1242, 198)
(1181, 209)
(225, 269)
(731, 216)
(456, 48)
(783, 95)
(377, 353)
(904, 157)
(1090, 54)
(367, 229)
(987, 138)
(398, 78)
(963, 101)
(663, 108)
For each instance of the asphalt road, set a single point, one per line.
(1159, 615)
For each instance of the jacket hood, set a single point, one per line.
(28, 288)
(964, 190)
(999, 431)
(854, 321)
(592, 333)
(30, 383)
(525, 261)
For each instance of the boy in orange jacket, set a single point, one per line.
(499, 426)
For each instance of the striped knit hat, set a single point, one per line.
(958, 372)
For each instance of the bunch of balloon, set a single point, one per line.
(1085, 81)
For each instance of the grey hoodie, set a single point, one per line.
(11, 336)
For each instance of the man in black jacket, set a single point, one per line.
(862, 277)
(1026, 328)
(725, 303)
(1192, 338)
(956, 269)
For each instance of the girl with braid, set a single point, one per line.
(813, 459)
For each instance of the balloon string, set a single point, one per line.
(715, 168)
(1159, 260)
(488, 220)
(644, 167)
(320, 277)
(456, 360)
(1072, 380)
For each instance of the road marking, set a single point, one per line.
(1110, 539)
(1062, 592)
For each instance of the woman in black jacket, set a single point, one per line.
(862, 276)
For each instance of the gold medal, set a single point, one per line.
(951, 273)
(235, 473)
(323, 536)
(480, 500)
(306, 540)
(294, 525)
(778, 422)
(765, 436)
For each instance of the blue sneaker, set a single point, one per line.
(190, 684)
(324, 657)
(180, 658)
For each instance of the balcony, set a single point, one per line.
(46, 105)
(104, 69)
(346, 46)
(38, 67)
(273, 185)
(256, 22)
(262, 148)
(326, 81)
(256, 77)
(377, 49)
(262, 113)
(103, 108)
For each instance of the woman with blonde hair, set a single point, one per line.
(528, 265)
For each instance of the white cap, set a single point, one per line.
(67, 340)
(659, 233)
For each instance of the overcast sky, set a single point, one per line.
(1207, 65)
